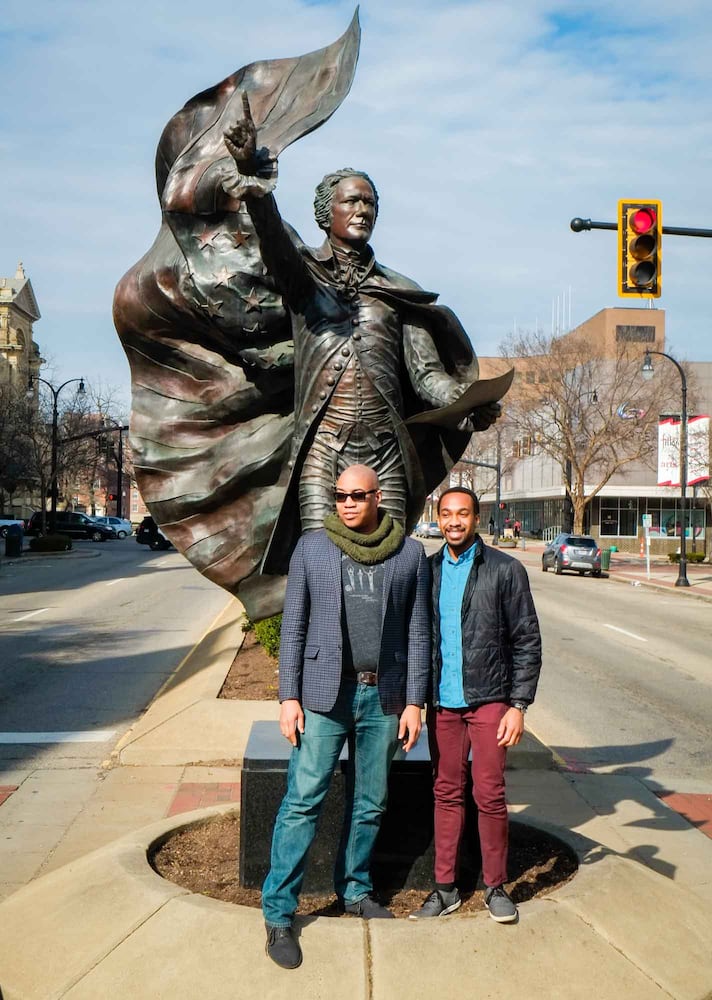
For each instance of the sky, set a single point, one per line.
(487, 126)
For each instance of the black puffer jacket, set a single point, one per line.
(501, 642)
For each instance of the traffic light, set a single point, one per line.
(111, 496)
(502, 506)
(640, 249)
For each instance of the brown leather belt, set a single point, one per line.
(367, 677)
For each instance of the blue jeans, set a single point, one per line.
(373, 739)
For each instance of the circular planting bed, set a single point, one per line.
(203, 857)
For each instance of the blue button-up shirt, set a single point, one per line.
(455, 573)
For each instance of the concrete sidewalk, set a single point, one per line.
(95, 921)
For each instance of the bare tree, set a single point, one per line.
(17, 467)
(594, 417)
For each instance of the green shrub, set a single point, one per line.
(267, 633)
(693, 557)
(51, 543)
(246, 624)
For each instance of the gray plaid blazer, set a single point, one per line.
(310, 654)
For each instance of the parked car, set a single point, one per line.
(579, 553)
(427, 529)
(5, 523)
(121, 525)
(72, 523)
(148, 533)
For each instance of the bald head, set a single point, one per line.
(357, 477)
(360, 513)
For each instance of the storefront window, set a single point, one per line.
(619, 516)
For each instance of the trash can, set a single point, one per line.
(605, 558)
(13, 541)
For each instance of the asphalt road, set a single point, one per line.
(626, 683)
(85, 643)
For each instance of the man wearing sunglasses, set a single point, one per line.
(353, 665)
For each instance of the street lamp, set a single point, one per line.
(55, 422)
(497, 467)
(648, 372)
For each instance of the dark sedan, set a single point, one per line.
(578, 553)
(71, 523)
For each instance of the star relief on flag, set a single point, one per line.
(239, 238)
(223, 276)
(253, 301)
(206, 238)
(213, 307)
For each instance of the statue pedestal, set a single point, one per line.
(403, 857)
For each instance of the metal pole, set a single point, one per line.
(580, 225)
(497, 527)
(682, 580)
(55, 442)
(120, 468)
(53, 472)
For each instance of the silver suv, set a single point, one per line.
(579, 553)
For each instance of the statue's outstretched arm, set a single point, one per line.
(253, 182)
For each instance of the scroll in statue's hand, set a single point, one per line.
(241, 140)
(481, 418)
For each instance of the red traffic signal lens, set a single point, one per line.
(643, 220)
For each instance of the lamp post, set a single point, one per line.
(648, 372)
(55, 424)
(497, 467)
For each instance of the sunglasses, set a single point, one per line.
(358, 496)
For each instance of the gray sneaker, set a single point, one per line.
(500, 905)
(438, 904)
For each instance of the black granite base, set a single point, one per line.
(403, 857)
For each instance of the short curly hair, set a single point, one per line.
(325, 192)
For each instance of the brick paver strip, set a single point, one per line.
(697, 809)
(6, 791)
(198, 794)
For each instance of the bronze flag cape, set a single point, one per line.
(209, 341)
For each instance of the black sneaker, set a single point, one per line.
(438, 904)
(500, 905)
(282, 947)
(368, 908)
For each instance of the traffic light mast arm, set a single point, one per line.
(579, 225)
(94, 434)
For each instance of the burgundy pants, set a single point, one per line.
(452, 732)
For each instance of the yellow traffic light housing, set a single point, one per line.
(640, 249)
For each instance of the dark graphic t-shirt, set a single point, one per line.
(362, 587)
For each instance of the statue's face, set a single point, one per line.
(353, 212)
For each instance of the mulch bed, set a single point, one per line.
(253, 675)
(204, 859)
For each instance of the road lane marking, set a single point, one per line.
(80, 736)
(30, 614)
(112, 582)
(632, 635)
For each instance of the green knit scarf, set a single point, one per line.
(367, 549)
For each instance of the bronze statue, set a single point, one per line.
(262, 368)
